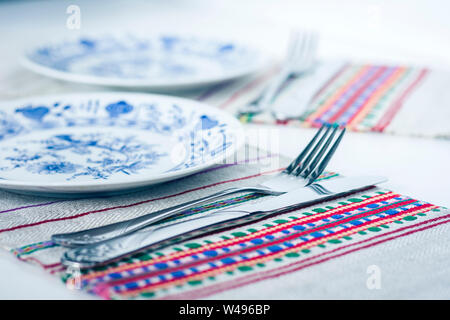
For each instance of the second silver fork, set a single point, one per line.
(300, 58)
(302, 171)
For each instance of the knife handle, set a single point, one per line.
(103, 233)
(113, 249)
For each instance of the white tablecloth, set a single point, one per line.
(408, 32)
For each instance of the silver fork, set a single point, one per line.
(303, 171)
(300, 58)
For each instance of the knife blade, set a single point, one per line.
(156, 237)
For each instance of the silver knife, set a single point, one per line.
(156, 237)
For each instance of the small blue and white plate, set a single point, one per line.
(163, 62)
(92, 143)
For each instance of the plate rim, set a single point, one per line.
(263, 61)
(105, 186)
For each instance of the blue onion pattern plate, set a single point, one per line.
(108, 142)
(158, 62)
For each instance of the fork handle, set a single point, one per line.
(272, 90)
(108, 251)
(114, 230)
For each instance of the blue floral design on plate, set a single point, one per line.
(108, 137)
(102, 156)
(163, 60)
(35, 113)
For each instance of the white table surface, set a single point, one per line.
(409, 32)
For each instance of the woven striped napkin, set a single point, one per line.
(321, 251)
(364, 97)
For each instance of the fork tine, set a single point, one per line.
(294, 42)
(311, 53)
(304, 152)
(301, 168)
(315, 43)
(326, 159)
(314, 162)
(301, 48)
(301, 45)
(306, 47)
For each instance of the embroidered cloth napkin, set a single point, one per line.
(323, 251)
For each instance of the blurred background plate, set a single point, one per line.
(86, 144)
(160, 62)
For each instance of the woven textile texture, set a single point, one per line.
(377, 98)
(271, 258)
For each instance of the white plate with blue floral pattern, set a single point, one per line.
(162, 62)
(91, 143)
